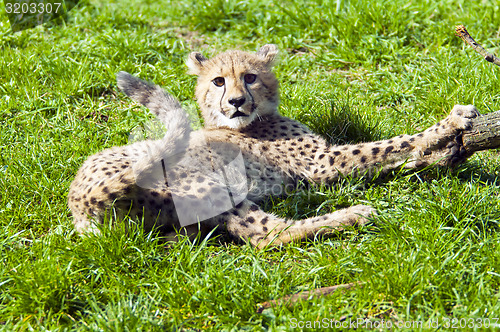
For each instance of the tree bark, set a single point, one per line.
(485, 133)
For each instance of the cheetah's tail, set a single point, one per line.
(171, 148)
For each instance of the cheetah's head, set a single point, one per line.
(234, 88)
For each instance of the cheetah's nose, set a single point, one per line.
(237, 102)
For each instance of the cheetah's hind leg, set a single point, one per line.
(247, 221)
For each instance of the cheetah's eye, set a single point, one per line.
(218, 81)
(250, 78)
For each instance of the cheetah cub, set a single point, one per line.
(216, 176)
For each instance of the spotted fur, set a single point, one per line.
(238, 96)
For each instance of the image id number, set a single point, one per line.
(455, 323)
(32, 8)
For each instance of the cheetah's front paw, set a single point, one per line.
(443, 141)
(441, 137)
(461, 117)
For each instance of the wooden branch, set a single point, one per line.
(462, 32)
(293, 299)
(485, 133)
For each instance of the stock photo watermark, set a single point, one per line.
(27, 14)
(230, 182)
(364, 323)
(227, 179)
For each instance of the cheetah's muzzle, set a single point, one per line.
(237, 114)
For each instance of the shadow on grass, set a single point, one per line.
(338, 121)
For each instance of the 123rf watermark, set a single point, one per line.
(364, 323)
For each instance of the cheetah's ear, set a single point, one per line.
(195, 62)
(268, 53)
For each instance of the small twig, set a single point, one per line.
(292, 299)
(461, 32)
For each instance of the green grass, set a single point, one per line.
(351, 70)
